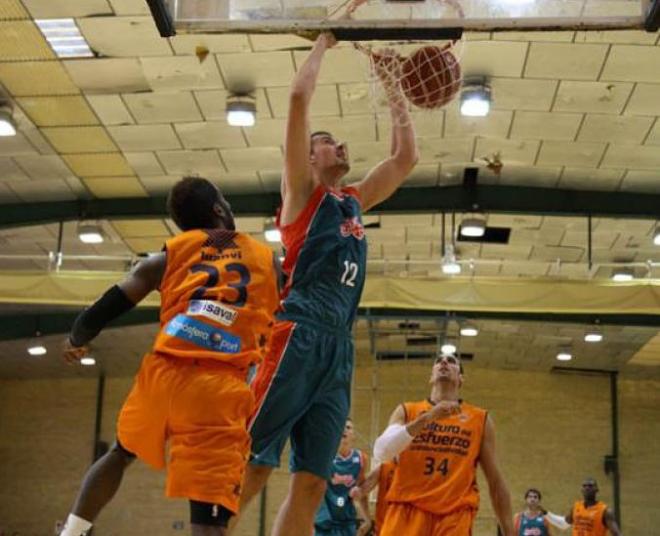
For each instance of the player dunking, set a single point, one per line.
(218, 292)
(340, 508)
(303, 385)
(439, 442)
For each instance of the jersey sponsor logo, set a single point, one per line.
(443, 438)
(532, 531)
(346, 480)
(213, 310)
(352, 227)
(203, 335)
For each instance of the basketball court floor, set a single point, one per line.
(527, 236)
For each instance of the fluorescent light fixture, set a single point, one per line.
(37, 349)
(474, 227)
(272, 233)
(65, 38)
(623, 274)
(475, 98)
(469, 330)
(241, 111)
(656, 236)
(7, 123)
(447, 348)
(87, 361)
(564, 355)
(90, 234)
(593, 336)
(450, 265)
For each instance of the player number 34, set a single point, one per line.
(350, 273)
(432, 465)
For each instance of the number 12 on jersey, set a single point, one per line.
(350, 273)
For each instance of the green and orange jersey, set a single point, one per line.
(218, 297)
(589, 520)
(437, 471)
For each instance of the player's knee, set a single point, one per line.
(119, 450)
(209, 515)
(308, 486)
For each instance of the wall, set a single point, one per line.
(552, 431)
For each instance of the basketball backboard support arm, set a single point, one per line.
(162, 18)
(652, 23)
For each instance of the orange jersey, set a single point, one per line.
(589, 521)
(385, 477)
(437, 471)
(218, 296)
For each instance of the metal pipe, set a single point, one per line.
(98, 447)
(589, 250)
(262, 511)
(614, 459)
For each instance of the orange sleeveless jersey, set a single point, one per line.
(385, 477)
(437, 472)
(589, 521)
(218, 297)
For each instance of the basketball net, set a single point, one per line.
(424, 75)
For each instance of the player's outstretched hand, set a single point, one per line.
(327, 39)
(73, 354)
(365, 528)
(444, 408)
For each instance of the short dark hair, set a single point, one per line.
(191, 201)
(320, 133)
(533, 490)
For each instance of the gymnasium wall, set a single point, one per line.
(552, 431)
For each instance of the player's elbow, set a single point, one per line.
(406, 160)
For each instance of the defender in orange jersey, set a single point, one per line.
(218, 295)
(591, 517)
(439, 442)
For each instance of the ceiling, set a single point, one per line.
(573, 110)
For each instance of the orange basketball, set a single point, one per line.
(431, 76)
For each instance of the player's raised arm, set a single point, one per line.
(117, 300)
(297, 182)
(383, 180)
(499, 492)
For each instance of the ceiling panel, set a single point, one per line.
(545, 126)
(493, 58)
(224, 44)
(144, 163)
(146, 245)
(632, 63)
(43, 167)
(98, 165)
(628, 37)
(553, 253)
(431, 150)
(324, 102)
(241, 182)
(21, 40)
(546, 177)
(163, 107)
(593, 97)
(523, 94)
(138, 36)
(213, 104)
(110, 109)
(644, 100)
(107, 75)
(654, 135)
(33, 78)
(265, 42)
(495, 125)
(10, 172)
(257, 69)
(632, 156)
(115, 186)
(642, 181)
(266, 132)
(565, 61)
(181, 73)
(208, 135)
(581, 178)
(58, 111)
(204, 163)
(129, 7)
(340, 65)
(570, 153)
(159, 184)
(140, 228)
(15, 145)
(252, 159)
(13, 10)
(43, 190)
(511, 152)
(144, 137)
(359, 127)
(57, 9)
(615, 128)
(357, 99)
(79, 139)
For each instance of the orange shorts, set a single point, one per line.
(403, 518)
(199, 407)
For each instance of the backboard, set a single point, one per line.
(296, 16)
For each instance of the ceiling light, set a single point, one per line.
(37, 349)
(475, 98)
(7, 123)
(474, 227)
(593, 336)
(469, 330)
(564, 355)
(450, 265)
(65, 38)
(272, 233)
(656, 236)
(87, 361)
(623, 274)
(241, 111)
(90, 233)
(448, 348)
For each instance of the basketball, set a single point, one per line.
(431, 77)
